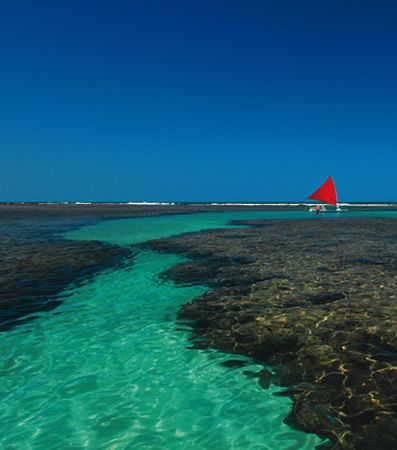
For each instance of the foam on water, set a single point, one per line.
(110, 368)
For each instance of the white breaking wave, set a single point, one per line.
(367, 204)
(303, 204)
(352, 205)
(150, 203)
(260, 204)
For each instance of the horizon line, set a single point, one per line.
(214, 203)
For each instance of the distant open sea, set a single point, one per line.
(102, 362)
(377, 204)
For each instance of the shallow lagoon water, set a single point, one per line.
(110, 368)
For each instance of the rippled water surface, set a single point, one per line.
(110, 368)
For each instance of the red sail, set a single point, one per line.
(325, 193)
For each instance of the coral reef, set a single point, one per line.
(315, 299)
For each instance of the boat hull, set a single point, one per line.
(323, 210)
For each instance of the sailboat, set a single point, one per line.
(326, 193)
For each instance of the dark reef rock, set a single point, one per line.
(315, 298)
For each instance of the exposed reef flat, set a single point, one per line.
(118, 210)
(317, 299)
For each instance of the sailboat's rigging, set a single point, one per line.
(326, 193)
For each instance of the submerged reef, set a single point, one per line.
(38, 265)
(315, 299)
(34, 274)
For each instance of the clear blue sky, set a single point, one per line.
(197, 100)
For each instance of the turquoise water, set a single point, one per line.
(132, 231)
(110, 369)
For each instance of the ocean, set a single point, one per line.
(104, 363)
